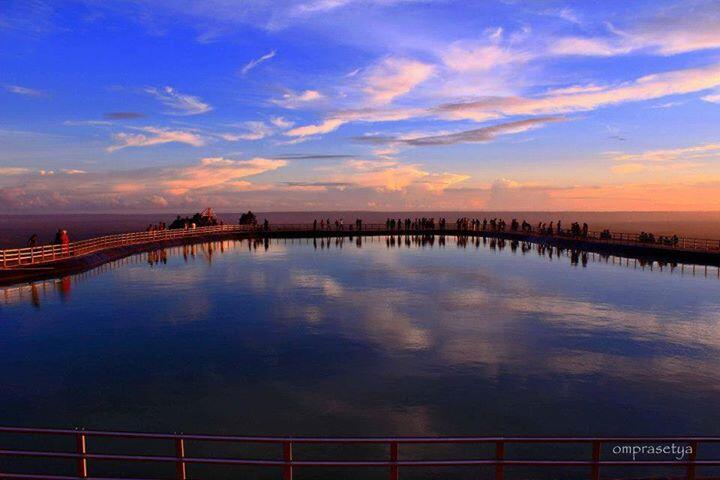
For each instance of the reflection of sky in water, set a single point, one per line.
(372, 340)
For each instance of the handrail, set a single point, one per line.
(85, 458)
(50, 253)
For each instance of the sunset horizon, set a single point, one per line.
(122, 106)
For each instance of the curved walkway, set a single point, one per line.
(51, 260)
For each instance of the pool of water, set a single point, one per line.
(380, 336)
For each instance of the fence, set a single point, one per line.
(84, 458)
(49, 253)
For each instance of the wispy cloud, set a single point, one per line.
(155, 136)
(667, 31)
(253, 130)
(180, 104)
(713, 97)
(215, 172)
(281, 122)
(393, 176)
(394, 77)
(478, 135)
(645, 88)
(124, 115)
(312, 156)
(292, 100)
(468, 57)
(14, 170)
(25, 91)
(665, 160)
(254, 63)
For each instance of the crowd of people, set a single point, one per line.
(339, 225)
(492, 225)
(646, 237)
(576, 230)
(157, 226)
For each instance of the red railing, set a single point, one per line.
(84, 458)
(17, 257)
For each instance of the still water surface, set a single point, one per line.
(370, 338)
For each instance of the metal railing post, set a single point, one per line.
(596, 460)
(394, 470)
(180, 467)
(499, 457)
(287, 458)
(81, 444)
(693, 457)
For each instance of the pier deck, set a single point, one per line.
(45, 261)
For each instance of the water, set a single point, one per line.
(375, 338)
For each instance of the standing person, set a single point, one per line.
(315, 224)
(33, 240)
(65, 242)
(58, 237)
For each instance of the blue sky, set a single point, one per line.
(359, 104)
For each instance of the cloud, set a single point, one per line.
(254, 63)
(326, 126)
(484, 134)
(188, 185)
(216, 172)
(255, 130)
(292, 100)
(464, 57)
(394, 176)
(319, 184)
(644, 88)
(710, 150)
(685, 27)
(158, 136)
(712, 98)
(14, 170)
(311, 156)
(180, 104)
(665, 160)
(25, 91)
(394, 77)
(124, 115)
(334, 122)
(583, 46)
(281, 122)
(560, 101)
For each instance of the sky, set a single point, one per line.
(290, 105)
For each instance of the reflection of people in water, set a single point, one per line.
(34, 295)
(64, 287)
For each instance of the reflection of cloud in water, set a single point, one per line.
(329, 286)
(490, 325)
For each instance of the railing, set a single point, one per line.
(49, 253)
(83, 457)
